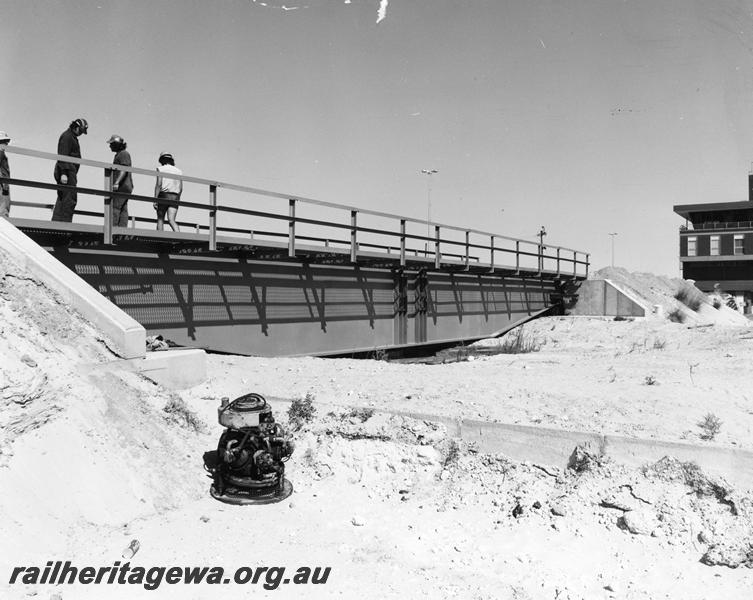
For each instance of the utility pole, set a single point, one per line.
(541, 234)
(612, 235)
(428, 173)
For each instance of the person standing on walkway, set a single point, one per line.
(66, 172)
(121, 180)
(4, 172)
(167, 189)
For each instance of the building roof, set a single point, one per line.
(685, 210)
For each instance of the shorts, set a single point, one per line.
(162, 208)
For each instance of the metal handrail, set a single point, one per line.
(252, 190)
(543, 252)
(714, 225)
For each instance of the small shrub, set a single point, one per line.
(710, 426)
(301, 411)
(717, 303)
(671, 469)
(519, 342)
(659, 344)
(309, 457)
(691, 297)
(379, 354)
(677, 316)
(179, 413)
(363, 414)
(650, 380)
(452, 454)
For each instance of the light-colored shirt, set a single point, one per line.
(174, 186)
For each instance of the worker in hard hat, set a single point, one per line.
(4, 172)
(66, 172)
(121, 180)
(167, 188)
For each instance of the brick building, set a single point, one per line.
(716, 246)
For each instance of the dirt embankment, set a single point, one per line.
(91, 459)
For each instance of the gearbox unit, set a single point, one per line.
(249, 466)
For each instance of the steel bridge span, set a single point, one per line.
(280, 280)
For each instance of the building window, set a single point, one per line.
(692, 246)
(739, 244)
(714, 246)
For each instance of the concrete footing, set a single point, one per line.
(175, 369)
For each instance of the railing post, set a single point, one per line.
(467, 250)
(588, 262)
(107, 229)
(491, 247)
(291, 228)
(517, 257)
(575, 263)
(213, 218)
(437, 254)
(402, 242)
(558, 262)
(353, 238)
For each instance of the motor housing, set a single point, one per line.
(249, 465)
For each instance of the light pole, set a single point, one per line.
(428, 173)
(612, 236)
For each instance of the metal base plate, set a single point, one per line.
(242, 499)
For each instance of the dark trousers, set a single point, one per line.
(66, 202)
(120, 209)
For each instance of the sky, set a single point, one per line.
(587, 117)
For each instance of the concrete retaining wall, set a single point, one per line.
(604, 298)
(127, 336)
(553, 447)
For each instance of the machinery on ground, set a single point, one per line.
(249, 465)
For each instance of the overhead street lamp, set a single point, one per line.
(428, 173)
(612, 235)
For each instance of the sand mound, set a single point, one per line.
(657, 290)
(79, 445)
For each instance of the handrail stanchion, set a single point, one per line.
(437, 255)
(213, 218)
(575, 263)
(402, 242)
(517, 257)
(107, 229)
(467, 250)
(353, 238)
(291, 228)
(588, 262)
(558, 262)
(491, 259)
